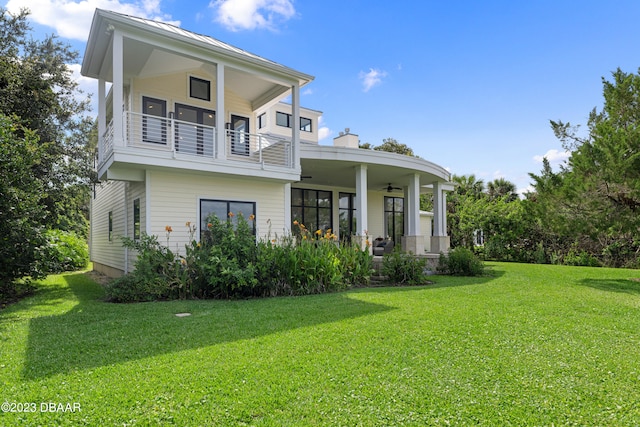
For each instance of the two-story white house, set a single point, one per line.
(191, 126)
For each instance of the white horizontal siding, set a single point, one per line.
(175, 196)
(109, 196)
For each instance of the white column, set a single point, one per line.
(439, 210)
(118, 83)
(413, 206)
(102, 116)
(287, 208)
(221, 138)
(361, 200)
(295, 127)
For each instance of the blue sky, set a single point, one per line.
(468, 85)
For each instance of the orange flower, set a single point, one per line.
(295, 222)
(168, 229)
(209, 225)
(252, 217)
(188, 224)
(318, 232)
(231, 215)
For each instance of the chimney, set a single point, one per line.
(346, 139)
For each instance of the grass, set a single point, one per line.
(528, 345)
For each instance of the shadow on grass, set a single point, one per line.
(438, 281)
(627, 286)
(95, 333)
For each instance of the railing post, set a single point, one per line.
(172, 134)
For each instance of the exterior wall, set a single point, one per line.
(273, 129)
(109, 196)
(375, 207)
(175, 200)
(111, 257)
(174, 89)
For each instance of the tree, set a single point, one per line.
(600, 188)
(501, 188)
(390, 145)
(44, 152)
(21, 208)
(37, 87)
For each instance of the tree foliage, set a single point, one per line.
(46, 155)
(390, 145)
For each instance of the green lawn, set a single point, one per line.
(527, 345)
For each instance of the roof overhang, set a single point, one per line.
(153, 48)
(336, 167)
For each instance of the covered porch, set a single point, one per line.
(385, 189)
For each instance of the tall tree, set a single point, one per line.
(602, 182)
(501, 188)
(45, 160)
(37, 87)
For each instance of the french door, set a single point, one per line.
(194, 130)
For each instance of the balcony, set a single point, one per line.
(159, 137)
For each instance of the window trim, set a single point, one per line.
(147, 117)
(315, 207)
(136, 219)
(193, 93)
(203, 227)
(110, 226)
(288, 120)
(395, 237)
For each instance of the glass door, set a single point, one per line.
(239, 135)
(191, 138)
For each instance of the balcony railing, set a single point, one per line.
(191, 139)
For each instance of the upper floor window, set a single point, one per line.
(305, 124)
(199, 88)
(262, 120)
(284, 120)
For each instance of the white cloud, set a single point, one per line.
(252, 14)
(307, 91)
(323, 131)
(554, 156)
(372, 78)
(72, 19)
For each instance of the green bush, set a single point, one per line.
(63, 251)
(580, 258)
(460, 262)
(229, 263)
(137, 288)
(404, 268)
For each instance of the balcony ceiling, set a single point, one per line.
(153, 49)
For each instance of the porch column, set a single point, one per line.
(413, 241)
(295, 127)
(102, 117)
(118, 82)
(221, 133)
(287, 208)
(439, 241)
(361, 204)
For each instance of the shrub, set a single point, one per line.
(137, 288)
(64, 251)
(404, 268)
(460, 262)
(228, 263)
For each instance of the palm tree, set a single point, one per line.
(500, 187)
(468, 185)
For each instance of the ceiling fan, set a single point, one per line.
(390, 188)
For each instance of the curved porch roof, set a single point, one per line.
(335, 166)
